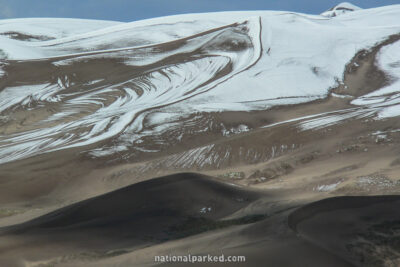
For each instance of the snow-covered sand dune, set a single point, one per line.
(86, 81)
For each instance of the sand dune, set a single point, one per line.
(136, 216)
(274, 135)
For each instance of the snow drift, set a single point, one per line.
(86, 82)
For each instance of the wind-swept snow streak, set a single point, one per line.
(386, 99)
(104, 84)
(150, 77)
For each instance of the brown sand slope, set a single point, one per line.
(183, 213)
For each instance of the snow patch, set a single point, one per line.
(326, 187)
(235, 130)
(342, 96)
(205, 209)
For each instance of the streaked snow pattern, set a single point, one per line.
(168, 68)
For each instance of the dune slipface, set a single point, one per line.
(363, 230)
(139, 215)
(275, 136)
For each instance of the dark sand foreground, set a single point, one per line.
(192, 213)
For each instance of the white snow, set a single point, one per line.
(385, 132)
(347, 5)
(326, 187)
(386, 99)
(205, 209)
(12, 49)
(336, 118)
(52, 27)
(24, 94)
(235, 130)
(341, 96)
(301, 65)
(243, 61)
(340, 9)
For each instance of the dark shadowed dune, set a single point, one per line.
(364, 230)
(339, 231)
(146, 213)
(147, 205)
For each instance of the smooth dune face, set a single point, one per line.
(361, 229)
